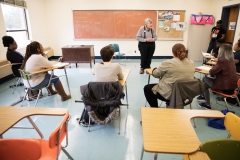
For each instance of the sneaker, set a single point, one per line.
(201, 99)
(84, 124)
(141, 71)
(204, 105)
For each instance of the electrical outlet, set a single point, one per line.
(135, 51)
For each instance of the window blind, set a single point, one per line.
(19, 3)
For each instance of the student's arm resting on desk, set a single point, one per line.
(120, 73)
(217, 68)
(161, 70)
(44, 63)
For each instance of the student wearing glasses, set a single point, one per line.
(179, 68)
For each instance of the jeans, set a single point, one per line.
(45, 81)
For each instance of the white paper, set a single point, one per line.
(206, 54)
(57, 65)
(204, 68)
(176, 18)
(173, 25)
(232, 25)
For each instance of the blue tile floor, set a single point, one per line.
(103, 142)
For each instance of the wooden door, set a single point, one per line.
(233, 16)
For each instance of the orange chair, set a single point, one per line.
(234, 95)
(36, 149)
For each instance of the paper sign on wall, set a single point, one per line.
(232, 25)
(181, 25)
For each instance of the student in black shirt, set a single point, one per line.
(217, 32)
(12, 55)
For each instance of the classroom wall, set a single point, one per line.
(2, 33)
(60, 21)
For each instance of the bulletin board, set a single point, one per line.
(113, 24)
(167, 24)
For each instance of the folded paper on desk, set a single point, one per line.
(57, 65)
(204, 68)
(206, 54)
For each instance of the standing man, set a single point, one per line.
(146, 37)
(217, 33)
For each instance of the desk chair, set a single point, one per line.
(221, 149)
(27, 76)
(232, 124)
(15, 67)
(25, 148)
(225, 96)
(118, 55)
(101, 100)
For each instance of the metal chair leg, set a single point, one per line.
(69, 156)
(194, 124)
(155, 156)
(24, 97)
(39, 93)
(142, 151)
(126, 93)
(225, 100)
(15, 84)
(238, 101)
(119, 119)
(89, 124)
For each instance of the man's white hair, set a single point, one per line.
(148, 20)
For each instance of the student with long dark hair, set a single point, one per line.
(35, 61)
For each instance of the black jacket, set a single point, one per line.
(102, 94)
(14, 57)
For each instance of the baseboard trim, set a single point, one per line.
(5, 79)
(127, 57)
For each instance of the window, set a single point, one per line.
(16, 23)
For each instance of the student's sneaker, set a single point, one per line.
(201, 99)
(204, 105)
(84, 124)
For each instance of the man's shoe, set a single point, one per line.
(204, 105)
(141, 71)
(201, 99)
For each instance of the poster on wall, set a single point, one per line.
(171, 24)
(232, 25)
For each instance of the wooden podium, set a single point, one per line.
(78, 54)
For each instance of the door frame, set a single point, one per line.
(225, 17)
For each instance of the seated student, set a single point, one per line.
(104, 72)
(12, 55)
(225, 76)
(219, 42)
(35, 61)
(179, 68)
(107, 71)
(236, 48)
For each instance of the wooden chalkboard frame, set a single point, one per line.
(77, 25)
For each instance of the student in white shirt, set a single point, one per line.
(34, 61)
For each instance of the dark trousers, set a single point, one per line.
(151, 97)
(146, 50)
(212, 46)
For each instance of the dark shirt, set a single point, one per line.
(15, 57)
(237, 56)
(217, 33)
